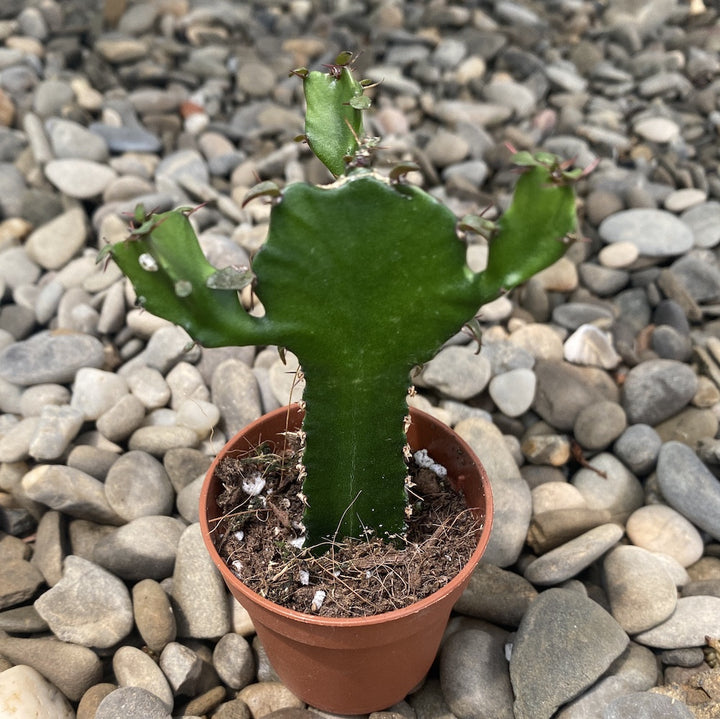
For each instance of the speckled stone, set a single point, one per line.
(458, 372)
(693, 619)
(564, 643)
(49, 357)
(71, 668)
(496, 595)
(154, 617)
(474, 672)
(88, 606)
(618, 491)
(569, 559)
(198, 590)
(641, 592)
(656, 390)
(689, 487)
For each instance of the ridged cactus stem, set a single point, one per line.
(354, 456)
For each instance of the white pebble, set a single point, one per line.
(618, 255)
(26, 693)
(198, 415)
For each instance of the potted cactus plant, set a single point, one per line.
(363, 280)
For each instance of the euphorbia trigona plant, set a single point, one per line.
(362, 279)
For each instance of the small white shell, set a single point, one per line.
(589, 345)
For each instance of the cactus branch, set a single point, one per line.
(529, 234)
(173, 279)
(333, 120)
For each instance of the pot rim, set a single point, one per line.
(346, 622)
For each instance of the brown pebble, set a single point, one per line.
(235, 709)
(7, 110)
(206, 702)
(601, 204)
(154, 617)
(91, 699)
(264, 698)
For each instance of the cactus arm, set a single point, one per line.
(530, 233)
(332, 124)
(170, 274)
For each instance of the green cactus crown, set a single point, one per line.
(363, 279)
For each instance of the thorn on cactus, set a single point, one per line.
(344, 59)
(572, 237)
(187, 211)
(559, 171)
(365, 148)
(104, 256)
(263, 189)
(479, 225)
(397, 174)
(474, 329)
(148, 224)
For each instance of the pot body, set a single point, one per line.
(364, 664)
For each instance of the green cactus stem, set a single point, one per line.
(333, 119)
(363, 280)
(173, 279)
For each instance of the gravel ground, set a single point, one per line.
(594, 402)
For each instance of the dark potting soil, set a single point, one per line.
(260, 527)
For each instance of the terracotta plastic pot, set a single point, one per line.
(365, 664)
